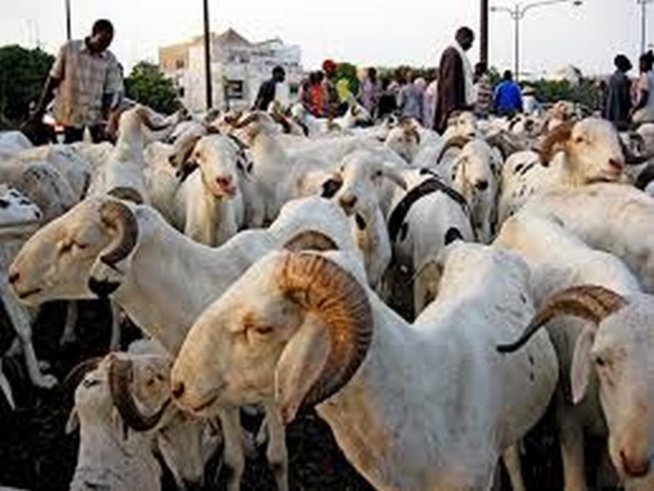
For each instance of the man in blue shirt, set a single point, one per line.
(508, 96)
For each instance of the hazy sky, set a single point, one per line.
(375, 32)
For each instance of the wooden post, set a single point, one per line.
(483, 33)
(207, 55)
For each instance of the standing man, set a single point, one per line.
(268, 89)
(508, 96)
(483, 91)
(87, 84)
(618, 96)
(333, 107)
(455, 86)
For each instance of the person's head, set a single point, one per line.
(400, 76)
(622, 63)
(102, 34)
(372, 74)
(508, 75)
(480, 69)
(385, 82)
(320, 76)
(645, 62)
(278, 74)
(329, 67)
(465, 37)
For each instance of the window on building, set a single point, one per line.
(234, 89)
(179, 63)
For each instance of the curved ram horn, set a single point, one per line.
(117, 216)
(554, 140)
(590, 302)
(322, 287)
(246, 121)
(120, 378)
(126, 193)
(311, 240)
(455, 142)
(152, 120)
(76, 374)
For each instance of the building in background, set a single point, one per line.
(238, 67)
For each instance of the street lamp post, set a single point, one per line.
(517, 13)
(68, 29)
(207, 56)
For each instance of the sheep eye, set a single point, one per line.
(600, 362)
(579, 139)
(263, 330)
(90, 383)
(67, 247)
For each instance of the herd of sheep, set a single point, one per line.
(261, 253)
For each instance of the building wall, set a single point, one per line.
(237, 68)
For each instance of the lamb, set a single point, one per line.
(106, 247)
(306, 328)
(462, 124)
(558, 260)
(122, 409)
(573, 154)
(472, 173)
(424, 219)
(608, 217)
(359, 174)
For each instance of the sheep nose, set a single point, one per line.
(616, 164)
(482, 185)
(178, 389)
(224, 182)
(347, 202)
(633, 467)
(14, 277)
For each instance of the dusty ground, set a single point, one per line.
(36, 454)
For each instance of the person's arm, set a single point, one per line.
(114, 87)
(643, 94)
(55, 77)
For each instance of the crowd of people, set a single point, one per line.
(625, 101)
(428, 99)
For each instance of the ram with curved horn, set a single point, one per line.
(457, 142)
(305, 329)
(600, 324)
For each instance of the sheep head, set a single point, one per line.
(217, 157)
(592, 150)
(462, 123)
(91, 246)
(296, 327)
(618, 343)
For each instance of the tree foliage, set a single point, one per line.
(147, 85)
(348, 71)
(22, 74)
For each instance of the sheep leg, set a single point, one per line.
(234, 461)
(276, 452)
(72, 312)
(571, 439)
(511, 457)
(114, 342)
(21, 322)
(5, 388)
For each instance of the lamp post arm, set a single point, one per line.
(542, 3)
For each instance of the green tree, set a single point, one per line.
(147, 85)
(22, 74)
(348, 71)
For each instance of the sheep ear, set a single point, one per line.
(300, 366)
(581, 365)
(73, 421)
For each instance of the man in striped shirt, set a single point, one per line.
(86, 82)
(483, 91)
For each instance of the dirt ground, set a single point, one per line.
(35, 453)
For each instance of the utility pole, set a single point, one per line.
(643, 24)
(68, 28)
(483, 33)
(207, 55)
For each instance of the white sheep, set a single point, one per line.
(107, 247)
(573, 154)
(462, 124)
(472, 172)
(423, 406)
(359, 178)
(611, 217)
(122, 410)
(559, 260)
(425, 218)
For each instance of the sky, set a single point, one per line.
(365, 32)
